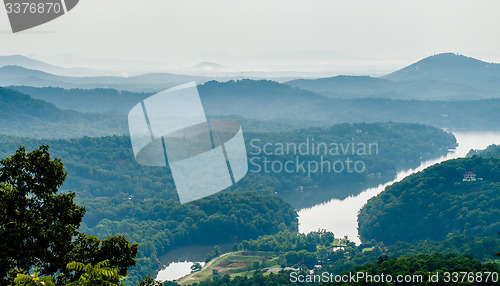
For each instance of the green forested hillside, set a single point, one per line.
(105, 167)
(436, 203)
(394, 146)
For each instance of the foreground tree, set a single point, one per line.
(100, 274)
(34, 280)
(37, 225)
(116, 250)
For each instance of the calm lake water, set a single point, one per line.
(337, 215)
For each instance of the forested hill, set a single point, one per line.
(397, 145)
(25, 116)
(455, 197)
(491, 151)
(105, 167)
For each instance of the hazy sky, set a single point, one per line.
(271, 34)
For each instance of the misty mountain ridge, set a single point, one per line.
(300, 103)
(154, 82)
(272, 101)
(96, 100)
(29, 63)
(440, 77)
(27, 117)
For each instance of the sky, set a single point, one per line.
(355, 36)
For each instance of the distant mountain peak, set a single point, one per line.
(208, 66)
(445, 67)
(449, 58)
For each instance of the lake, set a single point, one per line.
(337, 215)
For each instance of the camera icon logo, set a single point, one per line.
(171, 128)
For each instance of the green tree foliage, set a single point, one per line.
(436, 203)
(37, 225)
(115, 249)
(34, 280)
(213, 254)
(482, 248)
(100, 274)
(290, 241)
(195, 267)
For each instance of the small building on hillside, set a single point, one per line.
(471, 177)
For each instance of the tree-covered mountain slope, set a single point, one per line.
(455, 197)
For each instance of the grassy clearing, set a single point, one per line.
(241, 263)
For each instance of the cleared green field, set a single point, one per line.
(241, 263)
